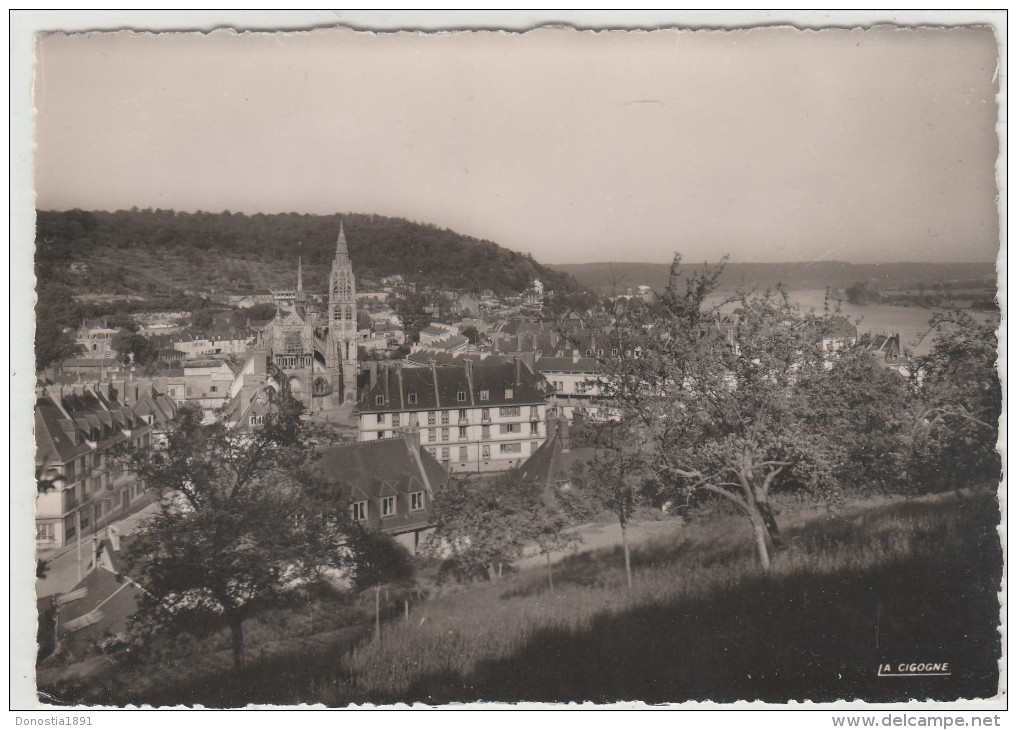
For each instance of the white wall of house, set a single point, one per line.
(468, 438)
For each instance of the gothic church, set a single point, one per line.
(317, 351)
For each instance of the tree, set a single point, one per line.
(961, 399)
(131, 344)
(480, 524)
(246, 520)
(410, 306)
(862, 292)
(865, 412)
(614, 481)
(55, 315)
(720, 399)
(470, 332)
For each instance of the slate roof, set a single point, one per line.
(555, 458)
(568, 365)
(397, 467)
(437, 388)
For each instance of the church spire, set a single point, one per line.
(300, 270)
(340, 245)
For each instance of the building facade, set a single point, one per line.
(82, 488)
(472, 417)
(317, 351)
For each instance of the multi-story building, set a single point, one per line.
(578, 383)
(471, 416)
(82, 488)
(96, 341)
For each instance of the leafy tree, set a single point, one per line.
(411, 308)
(55, 316)
(129, 344)
(470, 332)
(961, 399)
(615, 481)
(480, 524)
(246, 520)
(203, 319)
(723, 403)
(378, 558)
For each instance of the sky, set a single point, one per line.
(771, 144)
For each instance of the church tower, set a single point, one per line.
(342, 323)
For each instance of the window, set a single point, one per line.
(444, 418)
(444, 453)
(534, 413)
(387, 506)
(485, 432)
(413, 419)
(380, 418)
(559, 386)
(485, 395)
(509, 428)
(508, 393)
(45, 531)
(416, 501)
(257, 420)
(463, 454)
(379, 400)
(444, 434)
(432, 436)
(534, 428)
(485, 452)
(433, 452)
(381, 435)
(430, 418)
(412, 398)
(358, 511)
(511, 448)
(395, 419)
(534, 445)
(508, 411)
(461, 396)
(462, 415)
(213, 388)
(462, 432)
(485, 415)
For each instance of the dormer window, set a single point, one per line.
(485, 395)
(508, 393)
(412, 398)
(379, 400)
(461, 396)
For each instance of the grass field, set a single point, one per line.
(880, 582)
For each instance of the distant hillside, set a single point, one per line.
(605, 277)
(160, 252)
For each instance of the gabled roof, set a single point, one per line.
(555, 458)
(395, 467)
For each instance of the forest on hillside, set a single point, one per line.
(192, 247)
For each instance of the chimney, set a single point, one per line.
(518, 367)
(399, 376)
(372, 368)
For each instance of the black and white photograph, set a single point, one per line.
(543, 361)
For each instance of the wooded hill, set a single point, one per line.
(603, 277)
(151, 252)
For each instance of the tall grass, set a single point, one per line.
(878, 582)
(913, 581)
